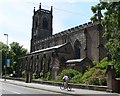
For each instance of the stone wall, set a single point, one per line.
(89, 35)
(113, 83)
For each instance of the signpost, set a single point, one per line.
(6, 55)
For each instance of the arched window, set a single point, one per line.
(45, 23)
(77, 46)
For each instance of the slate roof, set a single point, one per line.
(50, 48)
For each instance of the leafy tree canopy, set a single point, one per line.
(17, 49)
(110, 20)
(14, 52)
(3, 46)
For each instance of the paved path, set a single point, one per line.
(74, 91)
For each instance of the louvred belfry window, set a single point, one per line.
(45, 23)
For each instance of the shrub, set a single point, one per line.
(103, 81)
(117, 70)
(87, 76)
(94, 76)
(34, 76)
(47, 76)
(74, 75)
(94, 81)
(103, 63)
(76, 79)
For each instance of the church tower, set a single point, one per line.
(41, 26)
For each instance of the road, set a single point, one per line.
(15, 90)
(18, 88)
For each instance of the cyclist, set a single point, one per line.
(65, 80)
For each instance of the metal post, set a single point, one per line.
(6, 55)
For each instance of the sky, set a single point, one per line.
(16, 17)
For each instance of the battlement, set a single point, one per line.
(42, 10)
(45, 11)
(83, 26)
(74, 29)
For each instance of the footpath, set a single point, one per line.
(74, 91)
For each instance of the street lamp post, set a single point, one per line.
(6, 55)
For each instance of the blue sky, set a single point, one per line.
(16, 17)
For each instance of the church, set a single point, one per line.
(76, 47)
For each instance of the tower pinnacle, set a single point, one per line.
(40, 6)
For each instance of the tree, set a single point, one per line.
(111, 24)
(3, 47)
(16, 51)
(97, 11)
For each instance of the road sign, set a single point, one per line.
(8, 62)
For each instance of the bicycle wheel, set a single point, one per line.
(69, 88)
(62, 87)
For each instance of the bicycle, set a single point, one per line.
(63, 86)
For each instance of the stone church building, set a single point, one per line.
(75, 47)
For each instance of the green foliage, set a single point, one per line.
(47, 76)
(3, 47)
(117, 69)
(73, 75)
(87, 76)
(76, 79)
(35, 76)
(103, 63)
(14, 52)
(97, 10)
(112, 33)
(94, 76)
(111, 27)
